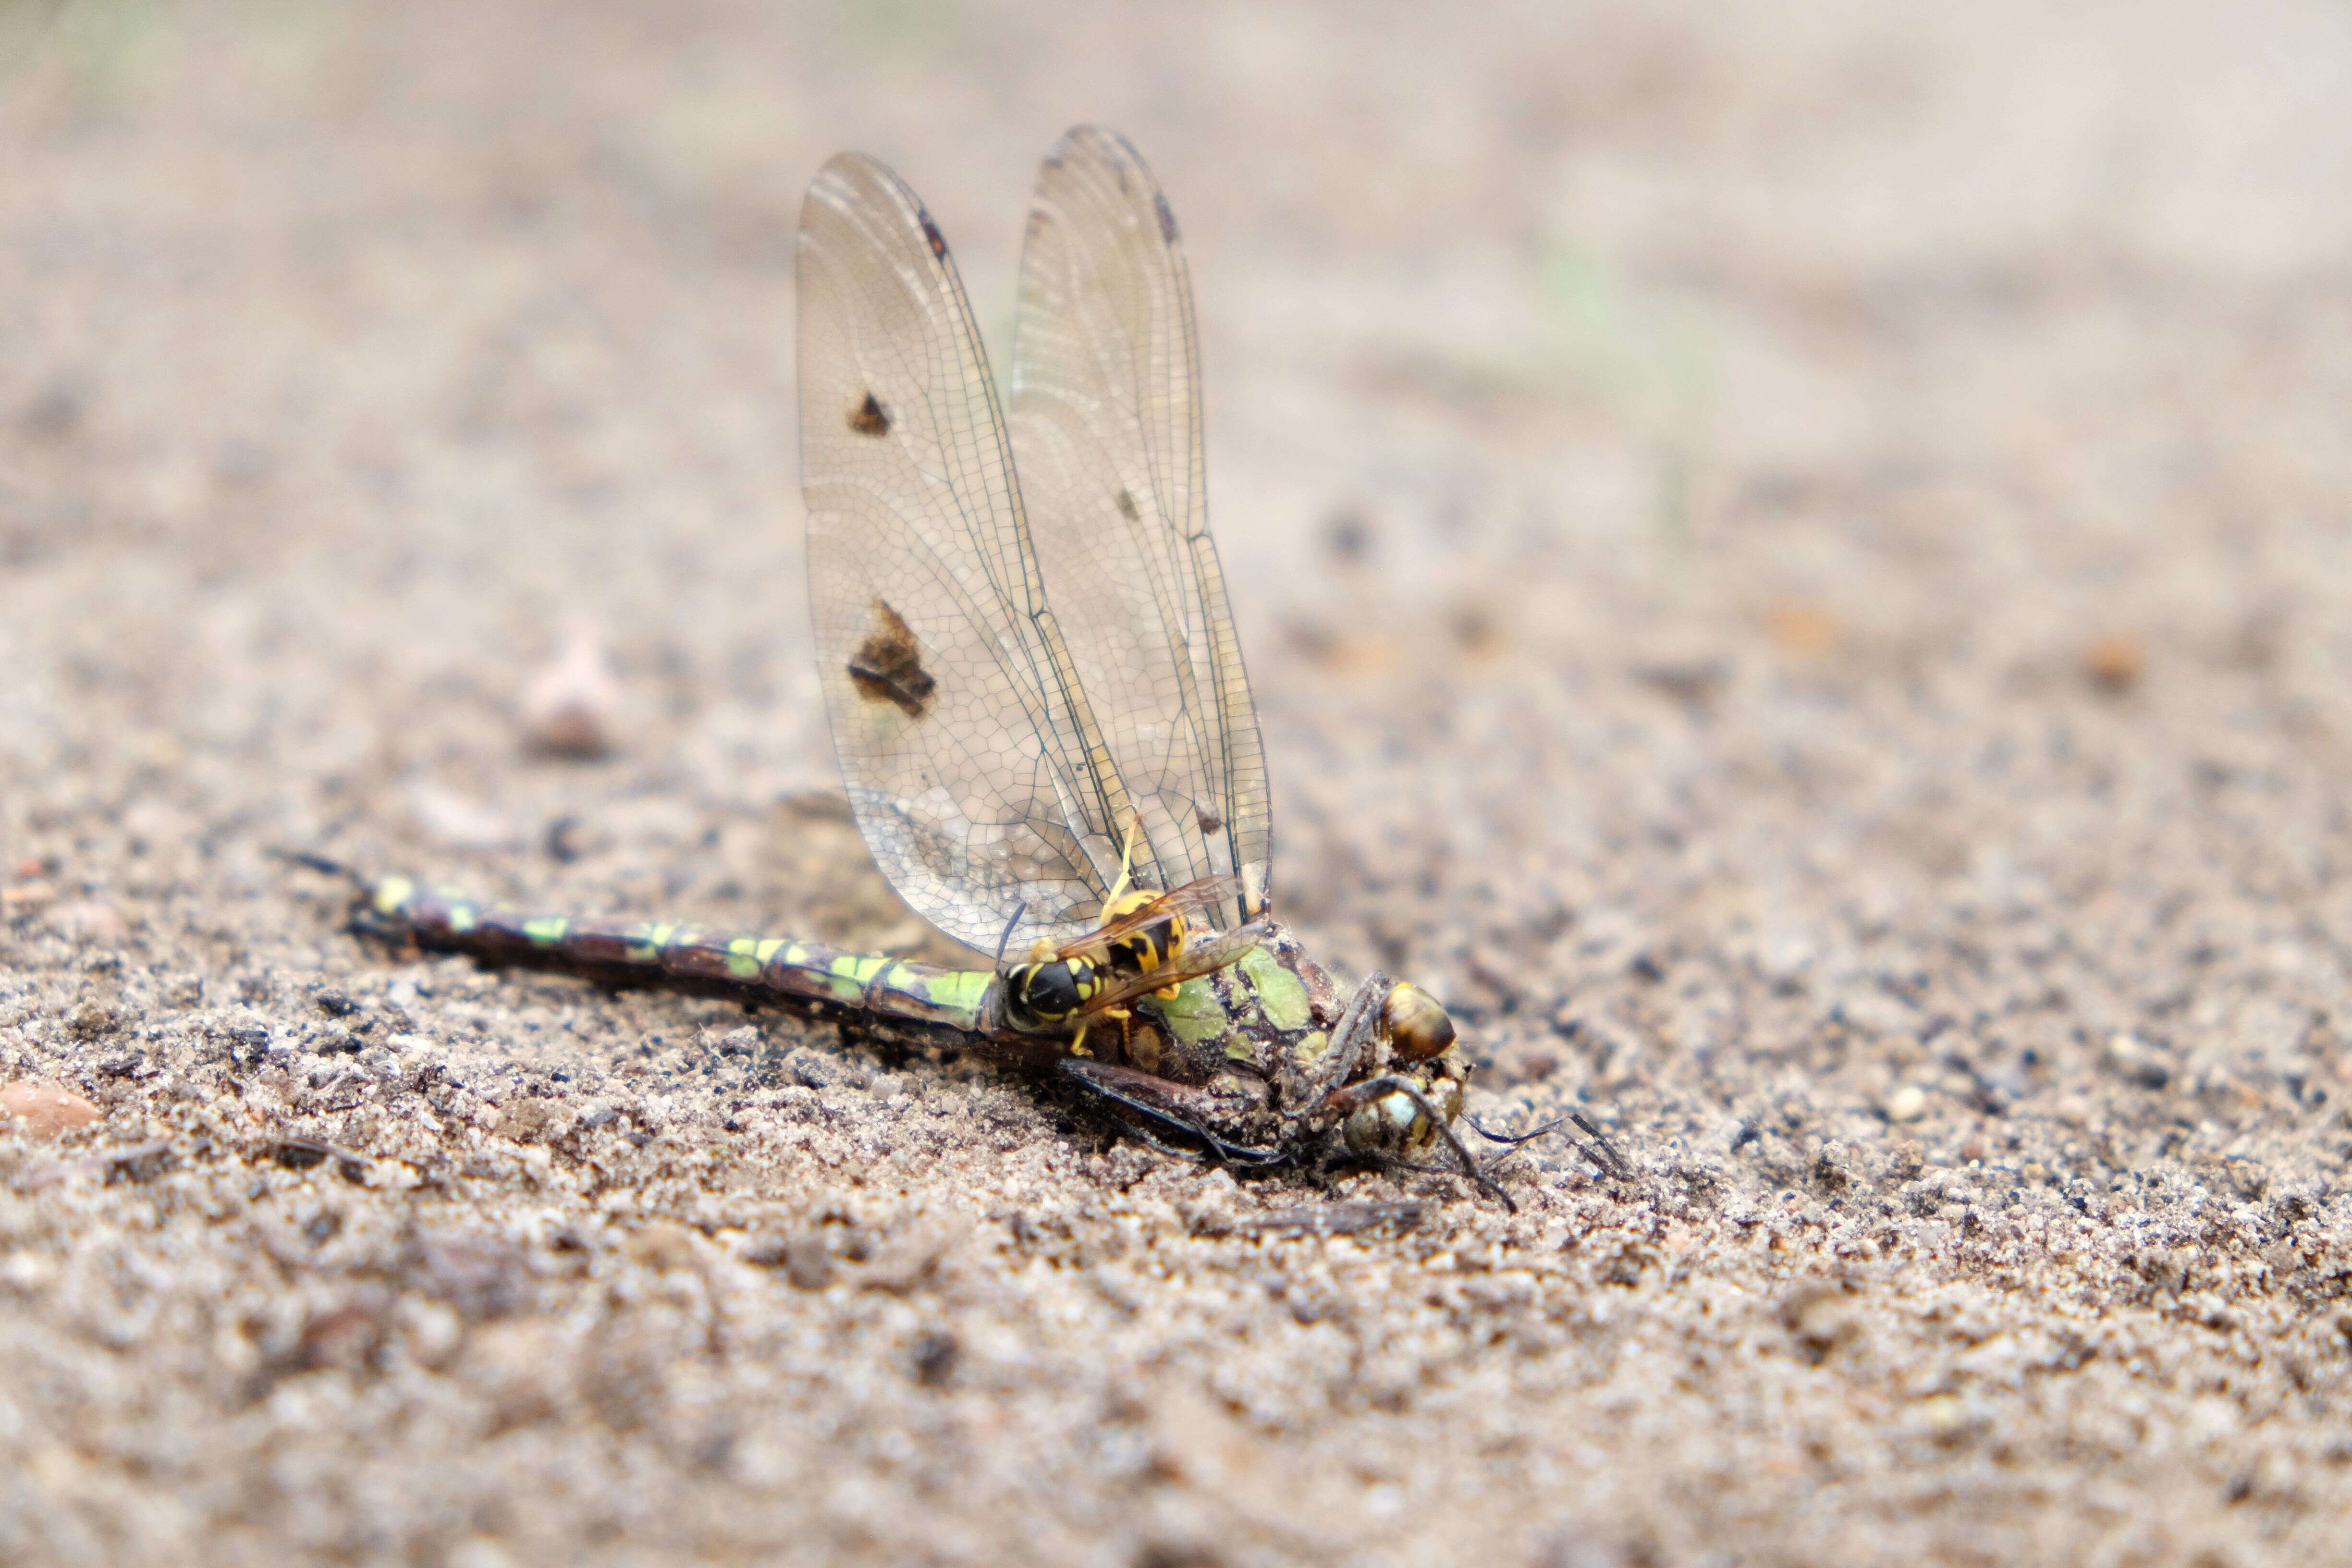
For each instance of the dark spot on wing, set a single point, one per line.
(932, 236)
(869, 417)
(889, 665)
(1167, 217)
(1209, 821)
(1127, 506)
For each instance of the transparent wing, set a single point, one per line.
(1106, 423)
(973, 767)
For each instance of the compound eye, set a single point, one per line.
(1390, 1125)
(1419, 1026)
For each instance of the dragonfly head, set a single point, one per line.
(1419, 1027)
(1420, 1050)
(1393, 1125)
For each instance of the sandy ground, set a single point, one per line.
(1795, 570)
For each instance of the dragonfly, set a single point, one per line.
(1039, 705)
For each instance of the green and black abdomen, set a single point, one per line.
(644, 951)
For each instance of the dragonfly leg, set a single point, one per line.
(1165, 1103)
(1142, 1132)
(1373, 1090)
(1350, 1041)
(1600, 1150)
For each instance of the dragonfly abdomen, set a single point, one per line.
(447, 920)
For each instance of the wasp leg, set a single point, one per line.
(1157, 1099)
(1375, 1090)
(1078, 1040)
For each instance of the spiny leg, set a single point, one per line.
(1357, 1025)
(1153, 1141)
(1099, 1079)
(1601, 1151)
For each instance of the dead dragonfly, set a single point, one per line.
(1037, 697)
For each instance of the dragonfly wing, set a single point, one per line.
(972, 767)
(1106, 399)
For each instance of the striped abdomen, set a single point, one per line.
(442, 918)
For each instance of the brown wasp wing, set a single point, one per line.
(1204, 954)
(1199, 902)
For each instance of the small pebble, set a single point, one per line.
(90, 1019)
(93, 922)
(2114, 662)
(43, 1109)
(1907, 1104)
(568, 707)
(1806, 629)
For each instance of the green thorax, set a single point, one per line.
(1268, 1015)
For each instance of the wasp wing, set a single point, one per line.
(1204, 954)
(1199, 903)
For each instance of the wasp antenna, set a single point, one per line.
(1018, 910)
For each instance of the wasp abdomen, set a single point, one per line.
(1147, 950)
